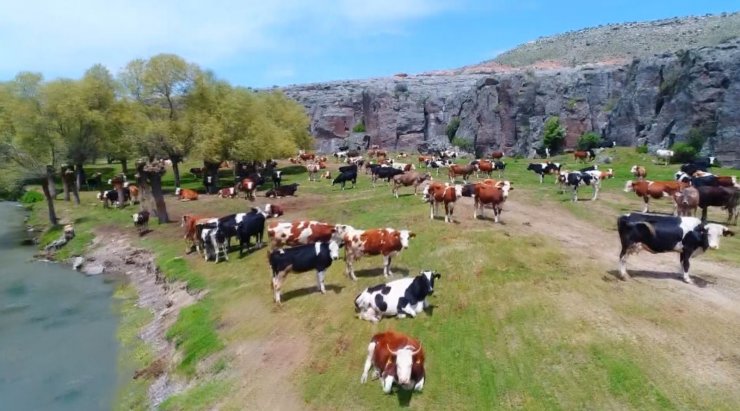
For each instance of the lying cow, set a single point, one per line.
(185, 194)
(396, 358)
(317, 256)
(282, 191)
(660, 233)
(380, 241)
(406, 296)
(409, 178)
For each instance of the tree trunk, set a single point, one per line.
(144, 194)
(49, 202)
(212, 173)
(65, 183)
(176, 172)
(124, 165)
(80, 174)
(69, 176)
(50, 181)
(156, 182)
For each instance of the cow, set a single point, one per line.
(322, 165)
(351, 167)
(725, 197)
(340, 154)
(490, 194)
(403, 166)
(574, 179)
(301, 232)
(687, 201)
(326, 175)
(141, 221)
(317, 256)
(186, 194)
(437, 164)
(436, 193)
(277, 178)
(273, 210)
(542, 152)
(654, 189)
(465, 171)
(398, 298)
(229, 192)
(706, 179)
(133, 191)
(606, 144)
(660, 233)
(385, 241)
(384, 172)
(639, 172)
(109, 197)
(282, 191)
(191, 237)
(248, 186)
(396, 358)
(402, 155)
(664, 155)
(313, 170)
(422, 160)
(496, 155)
(94, 181)
(306, 156)
(409, 179)
(343, 148)
(584, 155)
(252, 224)
(344, 177)
(212, 237)
(699, 164)
(544, 168)
(589, 168)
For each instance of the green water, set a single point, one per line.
(58, 342)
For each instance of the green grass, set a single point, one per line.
(194, 334)
(201, 397)
(177, 269)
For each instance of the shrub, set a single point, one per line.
(643, 149)
(452, 128)
(683, 153)
(402, 87)
(553, 134)
(588, 141)
(359, 127)
(31, 197)
(695, 139)
(466, 145)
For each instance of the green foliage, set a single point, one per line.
(194, 333)
(588, 141)
(643, 149)
(683, 153)
(464, 144)
(359, 127)
(31, 197)
(695, 139)
(452, 128)
(553, 134)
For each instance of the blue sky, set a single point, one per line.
(280, 42)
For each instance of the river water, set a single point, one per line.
(58, 343)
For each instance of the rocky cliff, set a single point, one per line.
(657, 100)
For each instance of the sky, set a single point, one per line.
(281, 42)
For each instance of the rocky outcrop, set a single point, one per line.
(659, 99)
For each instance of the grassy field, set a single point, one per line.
(527, 314)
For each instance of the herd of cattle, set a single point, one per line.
(303, 245)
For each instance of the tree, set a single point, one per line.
(553, 134)
(452, 128)
(588, 141)
(149, 175)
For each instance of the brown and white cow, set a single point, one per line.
(133, 191)
(379, 241)
(584, 155)
(490, 194)
(186, 194)
(248, 186)
(396, 358)
(313, 170)
(436, 193)
(191, 237)
(654, 189)
(496, 155)
(639, 172)
(460, 170)
(306, 156)
(302, 232)
(229, 192)
(409, 178)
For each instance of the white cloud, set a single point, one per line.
(67, 37)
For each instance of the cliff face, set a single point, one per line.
(657, 100)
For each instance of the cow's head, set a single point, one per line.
(714, 232)
(177, 191)
(334, 249)
(404, 361)
(405, 235)
(458, 190)
(628, 186)
(505, 187)
(430, 276)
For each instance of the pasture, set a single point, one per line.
(528, 314)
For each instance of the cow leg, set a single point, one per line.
(575, 194)
(320, 279)
(542, 178)
(408, 309)
(646, 199)
(596, 193)
(387, 266)
(431, 210)
(685, 256)
(277, 283)
(496, 213)
(349, 260)
(368, 362)
(704, 215)
(623, 262)
(387, 384)
(225, 250)
(475, 209)
(419, 385)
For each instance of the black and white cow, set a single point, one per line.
(277, 178)
(384, 172)
(252, 224)
(499, 166)
(725, 197)
(607, 144)
(344, 177)
(406, 296)
(589, 168)
(213, 239)
(109, 197)
(659, 233)
(542, 152)
(700, 164)
(438, 164)
(282, 191)
(575, 179)
(141, 221)
(317, 256)
(544, 168)
(351, 167)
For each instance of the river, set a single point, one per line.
(58, 346)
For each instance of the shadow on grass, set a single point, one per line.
(404, 398)
(378, 272)
(661, 275)
(302, 292)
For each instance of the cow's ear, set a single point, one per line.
(437, 275)
(412, 234)
(727, 232)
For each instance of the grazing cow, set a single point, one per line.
(109, 197)
(229, 192)
(436, 193)
(94, 181)
(197, 172)
(384, 172)
(424, 159)
(654, 189)
(725, 197)
(248, 186)
(385, 241)
(302, 232)
(493, 195)
(191, 235)
(497, 155)
(273, 210)
(639, 172)
(687, 201)
(283, 191)
(407, 296)
(664, 155)
(408, 179)
(141, 221)
(402, 155)
(277, 178)
(313, 170)
(542, 152)
(544, 168)
(300, 259)
(340, 154)
(574, 179)
(465, 171)
(396, 358)
(660, 233)
(584, 155)
(438, 164)
(344, 177)
(186, 194)
(358, 160)
(252, 224)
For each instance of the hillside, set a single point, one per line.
(625, 41)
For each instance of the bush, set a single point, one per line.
(683, 153)
(31, 197)
(695, 139)
(463, 144)
(402, 88)
(642, 149)
(588, 141)
(553, 134)
(359, 127)
(452, 128)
